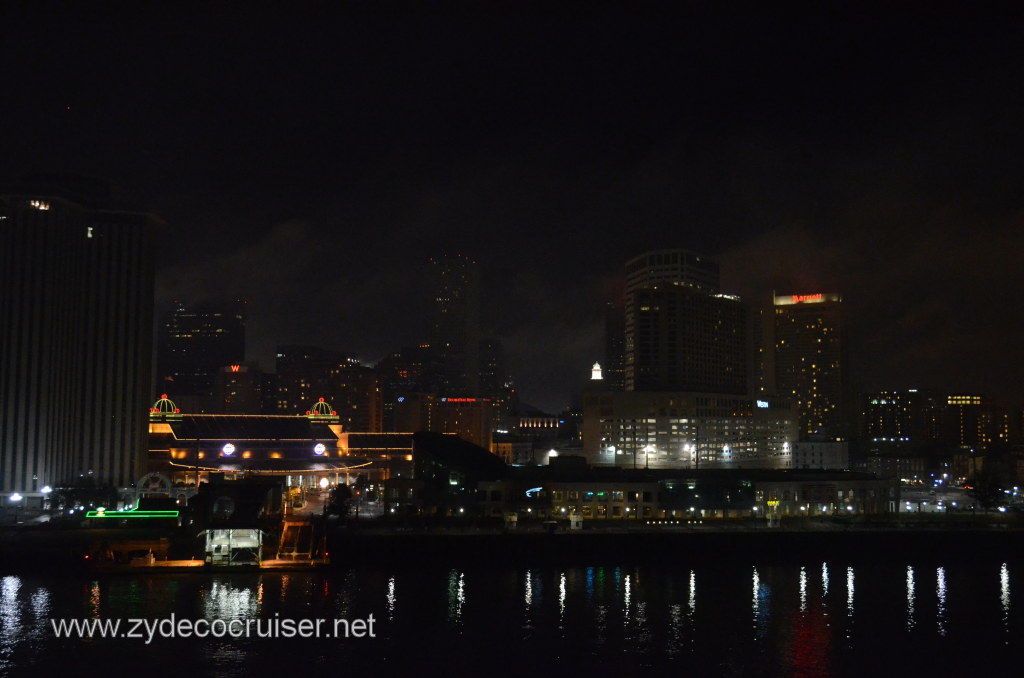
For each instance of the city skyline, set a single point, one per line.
(876, 159)
(607, 337)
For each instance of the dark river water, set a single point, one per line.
(819, 619)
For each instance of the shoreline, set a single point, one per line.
(49, 551)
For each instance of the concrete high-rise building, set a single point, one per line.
(76, 314)
(810, 362)
(195, 342)
(681, 333)
(455, 327)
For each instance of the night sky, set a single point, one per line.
(311, 160)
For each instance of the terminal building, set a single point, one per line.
(310, 451)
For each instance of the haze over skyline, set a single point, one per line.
(312, 160)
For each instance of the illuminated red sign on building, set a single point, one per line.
(819, 298)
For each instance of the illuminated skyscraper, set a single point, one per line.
(76, 313)
(810, 362)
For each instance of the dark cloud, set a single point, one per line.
(312, 160)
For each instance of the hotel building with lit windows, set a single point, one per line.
(810, 362)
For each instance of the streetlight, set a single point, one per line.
(16, 500)
(647, 455)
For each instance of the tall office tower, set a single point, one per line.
(194, 343)
(614, 365)
(681, 334)
(810, 362)
(455, 330)
(307, 373)
(76, 313)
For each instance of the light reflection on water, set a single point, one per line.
(10, 611)
(910, 598)
(761, 605)
(391, 599)
(803, 589)
(225, 601)
(627, 594)
(561, 594)
(1004, 595)
(940, 608)
(599, 616)
(849, 605)
(456, 596)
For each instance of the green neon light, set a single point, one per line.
(132, 514)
